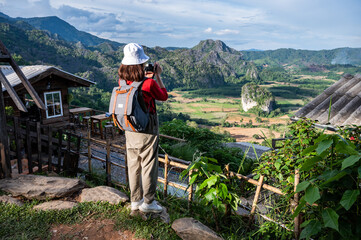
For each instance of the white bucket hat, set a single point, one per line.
(134, 54)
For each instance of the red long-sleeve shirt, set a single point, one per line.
(151, 91)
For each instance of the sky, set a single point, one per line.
(242, 25)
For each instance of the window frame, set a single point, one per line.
(46, 104)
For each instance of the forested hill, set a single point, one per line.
(62, 29)
(209, 64)
(305, 57)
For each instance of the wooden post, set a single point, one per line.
(89, 151)
(18, 145)
(5, 155)
(190, 195)
(60, 149)
(50, 149)
(108, 165)
(28, 147)
(296, 199)
(38, 134)
(228, 206)
(165, 193)
(256, 196)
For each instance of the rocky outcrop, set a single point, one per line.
(55, 205)
(255, 96)
(41, 187)
(190, 229)
(11, 200)
(103, 193)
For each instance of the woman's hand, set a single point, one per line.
(158, 69)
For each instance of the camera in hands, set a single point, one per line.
(149, 67)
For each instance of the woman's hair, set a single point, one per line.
(133, 73)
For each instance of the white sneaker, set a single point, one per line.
(153, 207)
(135, 205)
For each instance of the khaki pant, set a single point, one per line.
(142, 160)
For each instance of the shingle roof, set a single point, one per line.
(31, 72)
(345, 98)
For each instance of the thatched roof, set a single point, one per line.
(345, 99)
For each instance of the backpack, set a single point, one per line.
(128, 108)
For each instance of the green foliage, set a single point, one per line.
(332, 181)
(206, 142)
(201, 138)
(279, 166)
(270, 230)
(214, 188)
(329, 167)
(9, 110)
(256, 93)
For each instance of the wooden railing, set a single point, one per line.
(32, 138)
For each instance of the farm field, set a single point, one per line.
(223, 106)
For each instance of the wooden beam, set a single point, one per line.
(14, 96)
(22, 77)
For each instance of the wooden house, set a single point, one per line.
(344, 97)
(52, 85)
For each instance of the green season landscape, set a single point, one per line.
(205, 108)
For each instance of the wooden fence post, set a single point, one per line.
(108, 165)
(190, 195)
(17, 144)
(28, 148)
(89, 150)
(38, 136)
(296, 199)
(50, 149)
(165, 193)
(60, 149)
(256, 196)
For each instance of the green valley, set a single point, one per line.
(205, 81)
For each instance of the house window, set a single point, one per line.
(54, 107)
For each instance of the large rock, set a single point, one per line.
(190, 229)
(41, 187)
(55, 205)
(11, 200)
(103, 193)
(255, 96)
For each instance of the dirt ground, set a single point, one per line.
(93, 229)
(246, 134)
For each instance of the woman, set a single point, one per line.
(142, 148)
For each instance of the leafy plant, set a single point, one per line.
(278, 166)
(213, 186)
(331, 192)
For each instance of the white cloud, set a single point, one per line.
(242, 23)
(226, 31)
(208, 30)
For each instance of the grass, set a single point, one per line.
(25, 223)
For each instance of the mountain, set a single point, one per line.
(64, 30)
(211, 63)
(305, 57)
